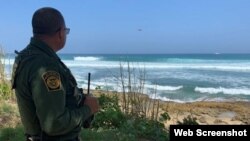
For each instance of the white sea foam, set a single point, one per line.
(181, 60)
(163, 88)
(187, 100)
(230, 91)
(176, 70)
(110, 85)
(177, 100)
(87, 58)
(97, 62)
(168, 99)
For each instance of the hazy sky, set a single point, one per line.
(136, 26)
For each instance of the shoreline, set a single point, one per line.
(206, 112)
(209, 112)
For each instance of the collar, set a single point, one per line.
(44, 47)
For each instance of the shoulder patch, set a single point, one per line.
(52, 80)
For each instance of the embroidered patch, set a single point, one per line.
(52, 80)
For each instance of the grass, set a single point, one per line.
(9, 115)
(125, 119)
(109, 124)
(126, 126)
(17, 134)
(12, 134)
(5, 85)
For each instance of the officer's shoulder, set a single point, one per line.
(37, 59)
(43, 60)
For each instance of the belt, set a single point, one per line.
(37, 138)
(33, 138)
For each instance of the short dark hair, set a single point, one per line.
(47, 21)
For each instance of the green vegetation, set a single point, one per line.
(5, 91)
(126, 127)
(9, 116)
(12, 134)
(110, 115)
(5, 88)
(189, 120)
(109, 124)
(128, 116)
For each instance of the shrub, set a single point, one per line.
(5, 87)
(98, 88)
(9, 115)
(128, 127)
(6, 91)
(12, 134)
(189, 120)
(164, 117)
(110, 116)
(144, 128)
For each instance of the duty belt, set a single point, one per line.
(38, 138)
(33, 138)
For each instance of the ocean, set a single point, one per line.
(169, 77)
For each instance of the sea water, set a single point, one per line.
(169, 77)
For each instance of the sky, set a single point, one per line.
(135, 26)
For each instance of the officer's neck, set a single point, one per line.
(50, 41)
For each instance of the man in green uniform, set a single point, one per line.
(46, 91)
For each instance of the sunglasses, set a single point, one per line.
(67, 30)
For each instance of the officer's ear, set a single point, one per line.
(61, 33)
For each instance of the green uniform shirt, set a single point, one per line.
(45, 89)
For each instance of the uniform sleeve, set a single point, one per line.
(49, 95)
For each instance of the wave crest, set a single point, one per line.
(89, 58)
(164, 88)
(231, 91)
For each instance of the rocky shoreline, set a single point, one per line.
(209, 112)
(206, 112)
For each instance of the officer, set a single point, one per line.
(45, 88)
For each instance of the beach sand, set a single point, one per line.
(209, 113)
(206, 112)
